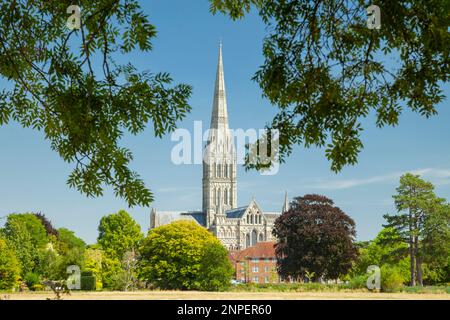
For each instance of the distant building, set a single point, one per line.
(236, 227)
(256, 264)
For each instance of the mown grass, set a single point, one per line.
(320, 287)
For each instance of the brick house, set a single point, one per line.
(256, 264)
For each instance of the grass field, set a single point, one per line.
(197, 295)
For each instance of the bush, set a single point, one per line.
(175, 256)
(88, 281)
(9, 267)
(31, 279)
(215, 270)
(37, 287)
(391, 279)
(358, 282)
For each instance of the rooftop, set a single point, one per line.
(260, 250)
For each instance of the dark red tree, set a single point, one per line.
(314, 236)
(47, 224)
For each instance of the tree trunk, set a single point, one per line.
(411, 262)
(418, 263)
(411, 251)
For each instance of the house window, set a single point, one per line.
(255, 279)
(267, 260)
(266, 269)
(266, 279)
(255, 269)
(255, 260)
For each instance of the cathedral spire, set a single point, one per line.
(219, 118)
(286, 203)
(219, 160)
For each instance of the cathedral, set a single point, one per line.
(236, 227)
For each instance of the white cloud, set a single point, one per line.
(437, 176)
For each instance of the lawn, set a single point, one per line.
(198, 295)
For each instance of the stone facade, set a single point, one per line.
(236, 227)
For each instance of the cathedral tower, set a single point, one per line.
(219, 159)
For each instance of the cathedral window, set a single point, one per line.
(225, 196)
(247, 240)
(226, 171)
(254, 237)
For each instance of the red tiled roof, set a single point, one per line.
(260, 250)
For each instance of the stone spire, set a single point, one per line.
(286, 203)
(219, 117)
(219, 160)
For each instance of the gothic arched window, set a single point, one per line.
(225, 196)
(226, 171)
(261, 237)
(247, 240)
(254, 237)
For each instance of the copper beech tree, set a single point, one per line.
(315, 240)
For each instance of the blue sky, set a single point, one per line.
(33, 178)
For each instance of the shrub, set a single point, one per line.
(215, 270)
(175, 256)
(88, 281)
(358, 282)
(391, 279)
(37, 287)
(9, 267)
(31, 279)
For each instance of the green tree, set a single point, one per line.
(387, 248)
(326, 70)
(50, 265)
(118, 233)
(314, 237)
(71, 251)
(9, 267)
(215, 268)
(436, 245)
(390, 253)
(172, 257)
(418, 211)
(66, 83)
(33, 225)
(20, 240)
(67, 240)
(93, 258)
